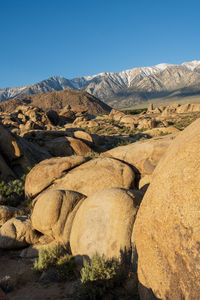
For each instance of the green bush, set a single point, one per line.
(48, 258)
(66, 266)
(12, 192)
(92, 154)
(182, 124)
(57, 258)
(123, 143)
(97, 276)
(134, 111)
(98, 268)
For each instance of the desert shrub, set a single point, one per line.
(123, 143)
(48, 257)
(66, 266)
(182, 124)
(134, 111)
(57, 258)
(92, 154)
(162, 133)
(143, 137)
(12, 192)
(98, 275)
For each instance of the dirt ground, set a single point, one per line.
(26, 284)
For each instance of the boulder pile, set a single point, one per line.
(142, 197)
(83, 203)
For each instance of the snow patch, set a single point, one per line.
(191, 65)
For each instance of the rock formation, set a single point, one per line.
(167, 225)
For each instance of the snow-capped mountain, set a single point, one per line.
(124, 88)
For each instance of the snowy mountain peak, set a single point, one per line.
(163, 66)
(108, 85)
(191, 65)
(127, 76)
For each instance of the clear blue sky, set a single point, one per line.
(40, 39)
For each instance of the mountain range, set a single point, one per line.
(126, 88)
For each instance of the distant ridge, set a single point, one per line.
(79, 101)
(126, 88)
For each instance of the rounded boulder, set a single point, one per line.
(47, 171)
(95, 175)
(167, 227)
(104, 222)
(54, 211)
(17, 233)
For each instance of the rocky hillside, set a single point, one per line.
(126, 88)
(78, 100)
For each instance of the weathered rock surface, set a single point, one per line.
(129, 121)
(104, 223)
(180, 109)
(82, 135)
(95, 175)
(60, 208)
(187, 108)
(144, 182)
(167, 225)
(66, 146)
(146, 123)
(32, 251)
(143, 155)
(116, 115)
(17, 233)
(161, 131)
(16, 155)
(8, 212)
(47, 171)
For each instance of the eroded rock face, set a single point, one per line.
(17, 233)
(186, 108)
(8, 212)
(104, 222)
(167, 224)
(116, 115)
(66, 146)
(84, 136)
(146, 123)
(16, 155)
(8, 145)
(95, 175)
(161, 131)
(47, 171)
(143, 155)
(60, 208)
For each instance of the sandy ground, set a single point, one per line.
(26, 283)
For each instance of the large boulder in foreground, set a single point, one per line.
(143, 155)
(60, 208)
(167, 227)
(95, 175)
(103, 223)
(47, 171)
